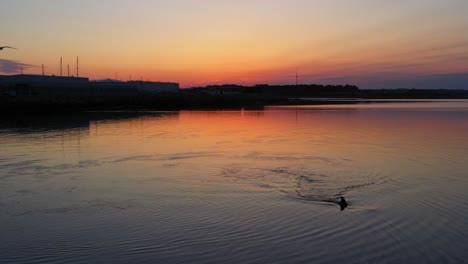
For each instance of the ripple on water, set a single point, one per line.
(322, 183)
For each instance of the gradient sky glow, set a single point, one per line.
(370, 43)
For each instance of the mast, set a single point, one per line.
(297, 77)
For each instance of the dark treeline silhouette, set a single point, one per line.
(413, 94)
(228, 96)
(305, 90)
(213, 97)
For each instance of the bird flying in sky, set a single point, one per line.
(6, 47)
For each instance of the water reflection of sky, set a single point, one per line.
(170, 187)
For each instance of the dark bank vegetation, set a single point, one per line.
(210, 97)
(413, 94)
(215, 97)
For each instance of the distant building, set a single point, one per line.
(155, 87)
(110, 87)
(116, 87)
(23, 85)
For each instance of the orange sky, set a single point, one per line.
(198, 42)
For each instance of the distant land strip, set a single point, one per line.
(217, 97)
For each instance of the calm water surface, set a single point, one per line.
(238, 186)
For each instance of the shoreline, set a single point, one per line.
(178, 102)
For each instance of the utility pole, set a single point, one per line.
(297, 77)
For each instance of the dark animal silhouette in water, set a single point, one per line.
(6, 47)
(342, 203)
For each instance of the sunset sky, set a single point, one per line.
(373, 43)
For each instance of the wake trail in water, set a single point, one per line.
(326, 185)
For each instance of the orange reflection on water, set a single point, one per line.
(371, 137)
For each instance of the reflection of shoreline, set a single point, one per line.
(195, 100)
(382, 104)
(33, 123)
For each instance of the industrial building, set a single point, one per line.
(116, 87)
(112, 88)
(42, 86)
(154, 87)
(23, 85)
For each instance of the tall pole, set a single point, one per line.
(60, 66)
(68, 70)
(297, 77)
(77, 68)
(43, 70)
